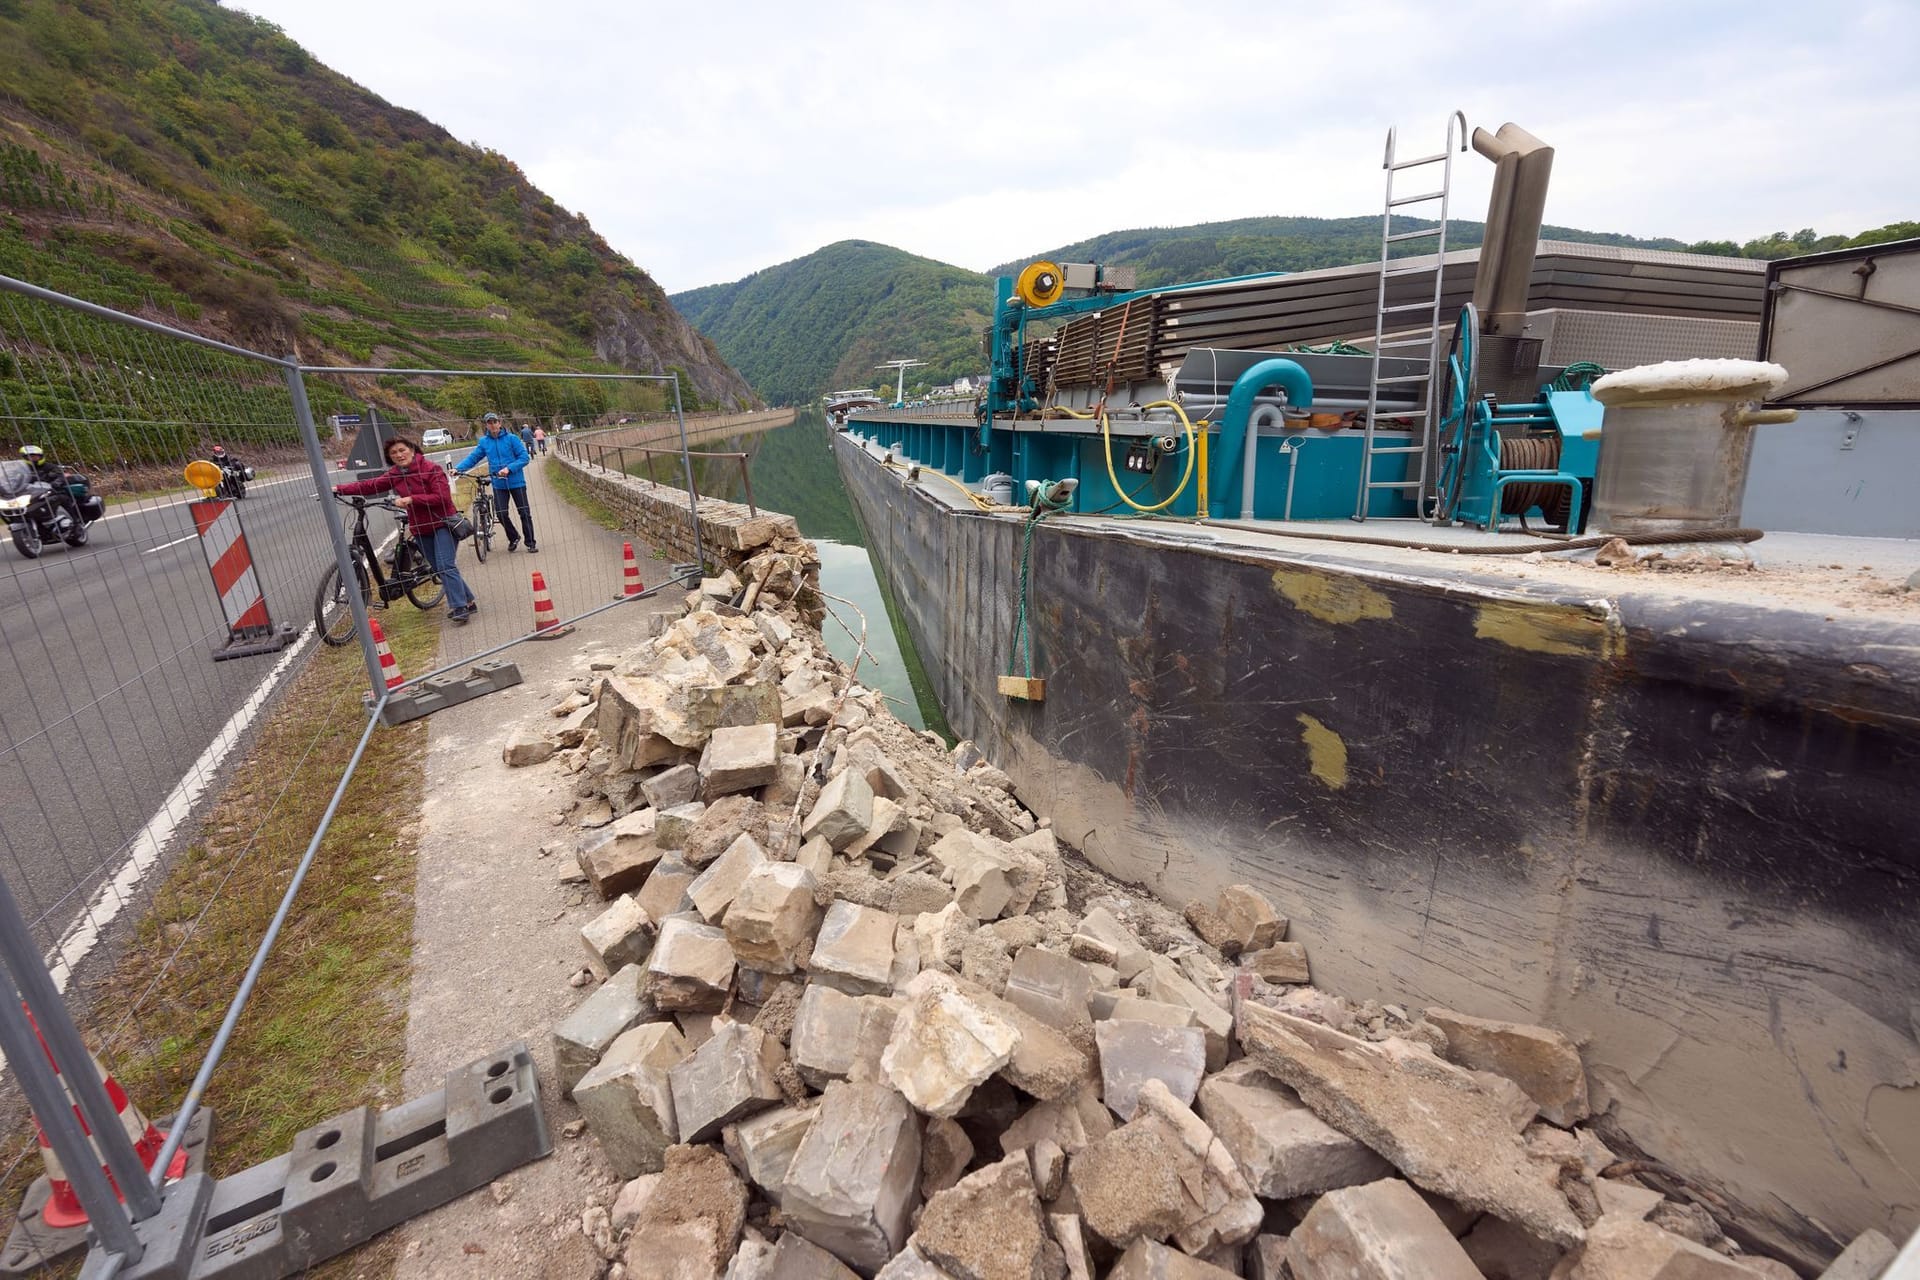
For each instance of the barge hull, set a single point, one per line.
(1681, 831)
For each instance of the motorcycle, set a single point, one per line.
(35, 516)
(233, 479)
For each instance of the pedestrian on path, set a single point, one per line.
(540, 439)
(507, 460)
(421, 487)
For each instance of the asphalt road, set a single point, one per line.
(112, 693)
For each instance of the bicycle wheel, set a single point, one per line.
(424, 587)
(332, 615)
(482, 518)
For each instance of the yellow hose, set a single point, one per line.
(1106, 439)
(979, 500)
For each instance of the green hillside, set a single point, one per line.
(826, 320)
(191, 163)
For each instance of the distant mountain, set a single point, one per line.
(823, 322)
(191, 163)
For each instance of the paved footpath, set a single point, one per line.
(496, 935)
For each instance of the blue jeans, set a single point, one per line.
(443, 551)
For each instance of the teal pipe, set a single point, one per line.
(1226, 466)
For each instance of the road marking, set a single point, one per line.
(162, 506)
(153, 839)
(163, 546)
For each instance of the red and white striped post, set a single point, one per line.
(250, 629)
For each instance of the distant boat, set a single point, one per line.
(840, 403)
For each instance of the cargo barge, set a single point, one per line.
(1666, 806)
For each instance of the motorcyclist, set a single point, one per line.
(225, 460)
(54, 476)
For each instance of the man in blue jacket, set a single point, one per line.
(507, 465)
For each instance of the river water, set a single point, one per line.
(792, 471)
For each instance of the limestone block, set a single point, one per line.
(665, 892)
(1071, 1237)
(1052, 987)
(911, 1264)
(843, 812)
(945, 1153)
(717, 886)
(725, 820)
(1147, 1260)
(854, 949)
(891, 833)
(631, 1202)
(878, 1017)
(582, 1036)
(1049, 1168)
(1625, 1200)
(943, 936)
(1869, 1255)
(626, 1100)
(1379, 1231)
(1132, 1053)
(1128, 1185)
(989, 1226)
(1116, 941)
(728, 1077)
(1046, 1062)
(774, 629)
(691, 1222)
(794, 1257)
(816, 855)
(691, 967)
(773, 917)
(1220, 1209)
(1628, 1249)
(673, 787)
(1162, 980)
(1073, 1121)
(619, 936)
(826, 1029)
(673, 825)
(1284, 1149)
(618, 857)
(527, 744)
(945, 1045)
(761, 1146)
(1250, 919)
(855, 1177)
(1503, 1251)
(1267, 1258)
(740, 759)
(1542, 1062)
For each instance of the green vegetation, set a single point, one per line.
(190, 163)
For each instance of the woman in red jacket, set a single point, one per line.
(421, 487)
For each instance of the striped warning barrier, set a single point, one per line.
(389, 665)
(250, 629)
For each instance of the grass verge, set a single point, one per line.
(325, 1029)
(569, 487)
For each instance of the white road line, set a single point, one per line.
(163, 546)
(146, 847)
(179, 502)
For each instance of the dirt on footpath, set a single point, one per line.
(497, 935)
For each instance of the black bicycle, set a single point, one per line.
(481, 513)
(410, 573)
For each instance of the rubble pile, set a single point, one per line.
(856, 1012)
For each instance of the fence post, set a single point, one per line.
(330, 512)
(746, 479)
(686, 464)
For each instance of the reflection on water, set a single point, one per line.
(792, 471)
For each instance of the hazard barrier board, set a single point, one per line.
(250, 630)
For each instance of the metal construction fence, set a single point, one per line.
(148, 627)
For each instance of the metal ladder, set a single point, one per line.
(1425, 336)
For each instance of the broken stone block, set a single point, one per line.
(1623, 1199)
(1628, 1249)
(619, 936)
(673, 787)
(796, 1258)
(854, 949)
(526, 745)
(906, 955)
(1542, 1062)
(1117, 941)
(774, 629)
(917, 893)
(1162, 980)
(1520, 1109)
(632, 1200)
(671, 827)
(945, 1153)
(583, 1035)
(878, 1017)
(740, 759)
(1147, 1260)
(1220, 1209)
(1443, 1132)
(1073, 1121)
(1869, 1255)
(1380, 1231)
(1284, 1149)
(618, 858)
(626, 1100)
(990, 877)
(826, 1027)
(1132, 1053)
(943, 936)
(1267, 1258)
(816, 855)
(691, 967)
(854, 1178)
(911, 1264)
(725, 820)
(728, 1077)
(1045, 1062)
(665, 892)
(692, 1220)
(762, 1146)
(843, 812)
(1213, 931)
(1128, 1186)
(1052, 987)
(946, 1044)
(1049, 1167)
(988, 1226)
(891, 832)
(1250, 919)
(1068, 1234)
(1283, 962)
(773, 917)
(1503, 1251)
(789, 782)
(714, 891)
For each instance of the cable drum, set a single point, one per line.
(1534, 453)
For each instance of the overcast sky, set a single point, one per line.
(708, 140)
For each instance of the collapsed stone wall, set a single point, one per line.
(856, 1011)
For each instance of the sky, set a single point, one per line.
(706, 141)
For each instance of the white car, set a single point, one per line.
(435, 438)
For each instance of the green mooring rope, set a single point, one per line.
(1022, 635)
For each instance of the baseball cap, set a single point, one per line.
(490, 417)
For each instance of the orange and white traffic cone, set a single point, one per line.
(63, 1208)
(631, 571)
(546, 620)
(389, 665)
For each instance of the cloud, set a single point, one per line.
(708, 141)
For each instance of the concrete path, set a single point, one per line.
(496, 934)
